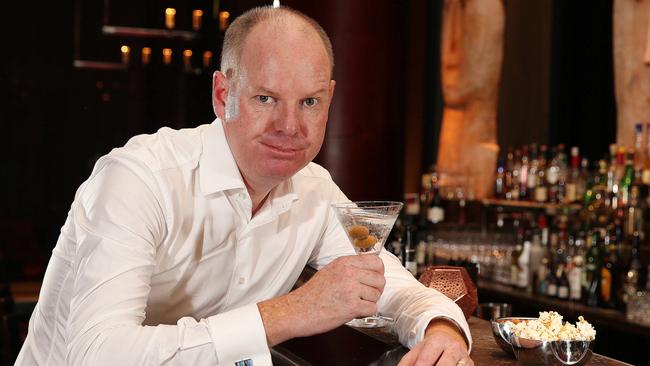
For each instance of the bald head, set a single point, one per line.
(277, 19)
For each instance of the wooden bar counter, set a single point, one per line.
(349, 346)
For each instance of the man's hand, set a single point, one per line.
(349, 287)
(443, 345)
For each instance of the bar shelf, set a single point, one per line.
(137, 32)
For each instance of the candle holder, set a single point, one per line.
(170, 18)
(187, 60)
(167, 56)
(197, 19)
(126, 54)
(207, 59)
(224, 20)
(146, 55)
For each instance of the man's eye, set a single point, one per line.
(264, 99)
(310, 102)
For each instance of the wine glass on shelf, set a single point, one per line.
(367, 225)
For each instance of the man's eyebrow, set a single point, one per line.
(265, 91)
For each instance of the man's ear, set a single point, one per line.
(332, 85)
(219, 94)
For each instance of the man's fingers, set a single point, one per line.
(369, 262)
(429, 355)
(447, 359)
(366, 308)
(372, 279)
(409, 357)
(369, 293)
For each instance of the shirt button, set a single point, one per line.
(241, 280)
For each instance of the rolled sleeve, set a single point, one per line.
(239, 335)
(414, 306)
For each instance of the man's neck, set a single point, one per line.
(258, 193)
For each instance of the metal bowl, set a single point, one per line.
(551, 353)
(503, 334)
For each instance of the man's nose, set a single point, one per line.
(287, 119)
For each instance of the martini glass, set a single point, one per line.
(368, 224)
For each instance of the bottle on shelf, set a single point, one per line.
(562, 283)
(575, 278)
(436, 210)
(541, 189)
(409, 252)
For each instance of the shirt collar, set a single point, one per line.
(219, 171)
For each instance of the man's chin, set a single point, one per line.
(282, 170)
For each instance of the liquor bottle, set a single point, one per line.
(420, 257)
(536, 256)
(542, 275)
(499, 182)
(425, 196)
(551, 283)
(516, 175)
(592, 268)
(638, 146)
(531, 178)
(573, 177)
(575, 278)
(627, 179)
(562, 283)
(645, 174)
(523, 174)
(409, 252)
(634, 214)
(553, 175)
(631, 277)
(523, 265)
(583, 179)
(436, 211)
(510, 157)
(609, 280)
(541, 190)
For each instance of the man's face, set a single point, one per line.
(276, 108)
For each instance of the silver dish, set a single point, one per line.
(551, 353)
(503, 334)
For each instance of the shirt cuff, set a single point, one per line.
(417, 335)
(239, 335)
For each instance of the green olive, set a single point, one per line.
(358, 232)
(366, 243)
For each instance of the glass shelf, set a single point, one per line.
(148, 33)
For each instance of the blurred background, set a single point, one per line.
(69, 98)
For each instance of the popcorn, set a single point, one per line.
(549, 327)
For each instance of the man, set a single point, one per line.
(182, 246)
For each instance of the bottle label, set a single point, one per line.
(575, 283)
(571, 192)
(551, 289)
(645, 176)
(522, 278)
(605, 285)
(541, 194)
(436, 214)
(563, 292)
(552, 175)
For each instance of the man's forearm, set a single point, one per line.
(281, 319)
(447, 326)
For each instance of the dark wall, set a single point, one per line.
(583, 108)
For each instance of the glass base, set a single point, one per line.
(376, 321)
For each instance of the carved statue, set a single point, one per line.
(631, 66)
(472, 52)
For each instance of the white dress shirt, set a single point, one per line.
(160, 262)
